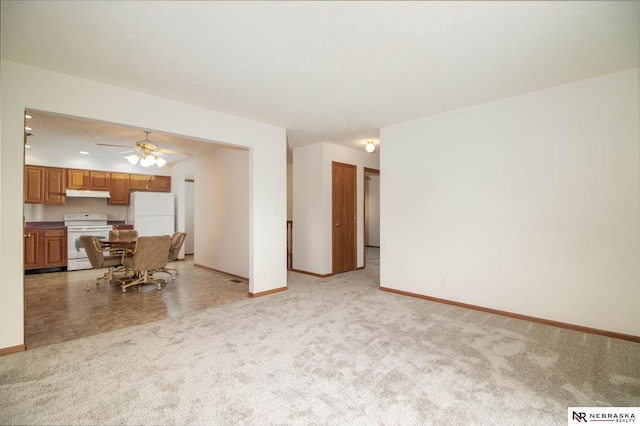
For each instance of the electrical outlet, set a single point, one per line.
(443, 281)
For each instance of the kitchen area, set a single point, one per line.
(61, 204)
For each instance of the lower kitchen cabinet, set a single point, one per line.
(45, 248)
(32, 243)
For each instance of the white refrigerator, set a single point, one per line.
(151, 213)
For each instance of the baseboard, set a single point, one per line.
(222, 272)
(12, 349)
(311, 273)
(265, 293)
(558, 324)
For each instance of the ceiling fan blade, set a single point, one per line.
(119, 146)
(171, 151)
(124, 152)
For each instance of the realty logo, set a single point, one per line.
(577, 415)
(580, 416)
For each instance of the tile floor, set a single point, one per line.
(58, 308)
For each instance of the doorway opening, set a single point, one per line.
(371, 232)
(68, 313)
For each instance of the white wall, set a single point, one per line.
(55, 213)
(312, 226)
(528, 204)
(189, 225)
(29, 87)
(308, 244)
(222, 211)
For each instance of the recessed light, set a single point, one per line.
(84, 152)
(28, 129)
(27, 116)
(27, 146)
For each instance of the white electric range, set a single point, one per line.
(83, 224)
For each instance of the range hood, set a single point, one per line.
(80, 193)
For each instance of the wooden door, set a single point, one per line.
(343, 190)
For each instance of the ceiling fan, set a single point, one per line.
(147, 152)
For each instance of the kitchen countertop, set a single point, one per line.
(49, 225)
(44, 225)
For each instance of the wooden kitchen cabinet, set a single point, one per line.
(150, 183)
(48, 185)
(161, 183)
(32, 243)
(99, 181)
(88, 180)
(139, 182)
(33, 184)
(77, 179)
(45, 248)
(44, 185)
(55, 248)
(54, 186)
(119, 189)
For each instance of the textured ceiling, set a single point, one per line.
(326, 71)
(71, 134)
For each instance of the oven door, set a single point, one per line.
(75, 250)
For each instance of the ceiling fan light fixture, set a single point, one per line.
(160, 161)
(147, 160)
(133, 159)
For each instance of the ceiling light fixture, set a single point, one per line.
(147, 154)
(27, 116)
(133, 159)
(160, 161)
(147, 160)
(84, 152)
(370, 147)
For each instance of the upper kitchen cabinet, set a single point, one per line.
(140, 182)
(150, 183)
(54, 186)
(119, 189)
(161, 183)
(88, 179)
(33, 184)
(44, 185)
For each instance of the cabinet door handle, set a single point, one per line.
(27, 235)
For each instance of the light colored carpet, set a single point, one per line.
(327, 351)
